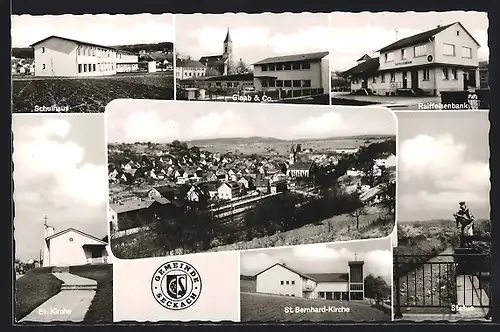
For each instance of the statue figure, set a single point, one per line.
(465, 220)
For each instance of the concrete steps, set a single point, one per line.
(60, 269)
(65, 287)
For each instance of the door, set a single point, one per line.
(405, 80)
(364, 84)
(469, 79)
(414, 79)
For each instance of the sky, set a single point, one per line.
(102, 29)
(443, 159)
(255, 36)
(355, 34)
(59, 172)
(165, 121)
(323, 258)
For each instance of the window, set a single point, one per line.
(271, 67)
(382, 78)
(467, 52)
(288, 83)
(229, 84)
(264, 68)
(454, 74)
(79, 67)
(265, 84)
(306, 65)
(296, 66)
(356, 287)
(282, 282)
(389, 57)
(446, 75)
(458, 33)
(403, 54)
(306, 83)
(448, 49)
(43, 66)
(70, 239)
(288, 282)
(355, 81)
(420, 50)
(293, 282)
(43, 49)
(287, 66)
(426, 74)
(93, 67)
(374, 79)
(296, 83)
(393, 77)
(279, 67)
(279, 83)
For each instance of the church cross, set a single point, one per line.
(45, 218)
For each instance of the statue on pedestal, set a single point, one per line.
(465, 220)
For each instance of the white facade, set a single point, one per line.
(61, 57)
(280, 280)
(72, 247)
(126, 62)
(224, 191)
(182, 73)
(293, 75)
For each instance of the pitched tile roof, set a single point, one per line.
(415, 39)
(130, 205)
(301, 166)
(76, 231)
(330, 277)
(293, 58)
(75, 41)
(188, 63)
(367, 67)
(236, 77)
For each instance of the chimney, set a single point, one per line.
(439, 25)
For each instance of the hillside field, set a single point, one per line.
(271, 308)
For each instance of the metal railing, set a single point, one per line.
(455, 282)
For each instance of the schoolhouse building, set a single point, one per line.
(442, 59)
(188, 69)
(64, 57)
(294, 75)
(280, 279)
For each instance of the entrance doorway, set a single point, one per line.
(414, 79)
(469, 79)
(364, 83)
(405, 80)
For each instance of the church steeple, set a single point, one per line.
(228, 37)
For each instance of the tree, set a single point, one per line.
(358, 212)
(388, 198)
(376, 288)
(240, 68)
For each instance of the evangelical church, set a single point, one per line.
(71, 247)
(221, 63)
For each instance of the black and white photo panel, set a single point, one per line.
(410, 61)
(206, 177)
(258, 58)
(79, 63)
(326, 282)
(63, 262)
(442, 262)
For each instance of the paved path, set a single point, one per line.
(70, 304)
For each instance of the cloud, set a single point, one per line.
(305, 40)
(442, 162)
(325, 123)
(369, 39)
(41, 155)
(148, 126)
(209, 39)
(226, 124)
(481, 36)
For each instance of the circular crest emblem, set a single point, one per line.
(176, 285)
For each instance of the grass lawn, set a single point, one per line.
(34, 288)
(101, 308)
(271, 308)
(88, 95)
